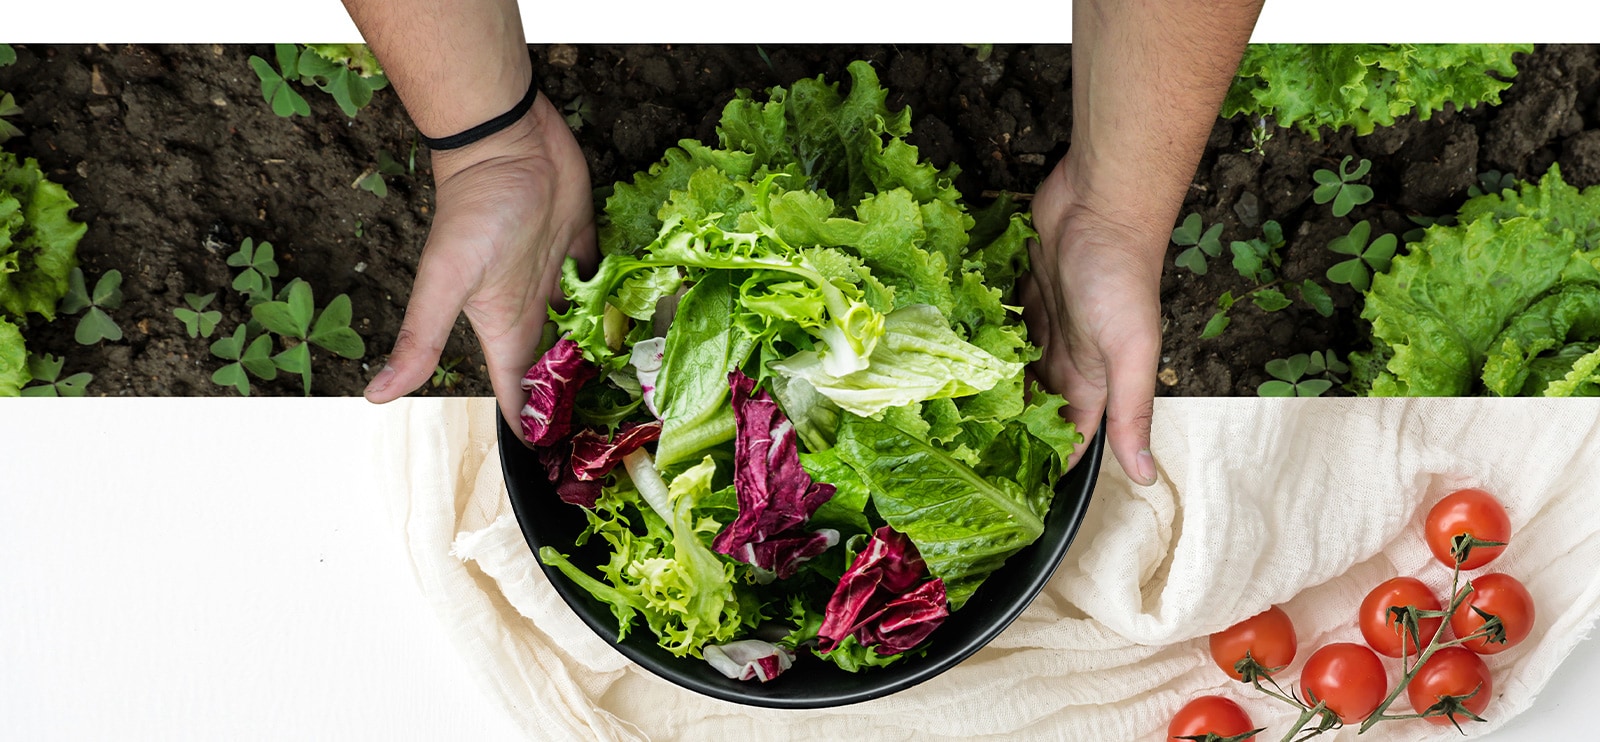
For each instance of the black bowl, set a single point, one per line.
(811, 683)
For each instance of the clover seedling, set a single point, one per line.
(1290, 375)
(195, 318)
(259, 270)
(373, 182)
(1254, 259)
(1377, 255)
(8, 107)
(252, 359)
(275, 87)
(1492, 181)
(1341, 188)
(1316, 296)
(294, 317)
(578, 113)
(445, 375)
(8, 55)
(1220, 320)
(1200, 244)
(96, 324)
(47, 369)
(341, 75)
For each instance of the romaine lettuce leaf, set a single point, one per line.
(703, 345)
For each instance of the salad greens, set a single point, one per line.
(814, 334)
(38, 252)
(1504, 302)
(1364, 86)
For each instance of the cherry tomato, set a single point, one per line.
(1268, 637)
(1452, 671)
(1349, 678)
(1473, 512)
(1383, 634)
(1501, 595)
(1209, 715)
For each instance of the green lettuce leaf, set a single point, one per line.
(13, 360)
(703, 347)
(965, 521)
(1363, 86)
(38, 239)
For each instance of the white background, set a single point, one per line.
(225, 569)
(208, 569)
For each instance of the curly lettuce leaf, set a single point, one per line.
(1487, 301)
(13, 360)
(1364, 86)
(38, 239)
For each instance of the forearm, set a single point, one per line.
(1148, 77)
(455, 64)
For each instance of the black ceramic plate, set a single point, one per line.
(811, 683)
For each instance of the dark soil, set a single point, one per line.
(175, 158)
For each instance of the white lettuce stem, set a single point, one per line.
(649, 483)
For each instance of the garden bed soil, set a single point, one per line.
(175, 158)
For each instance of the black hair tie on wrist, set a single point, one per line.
(487, 128)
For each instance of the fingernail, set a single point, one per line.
(1147, 467)
(381, 381)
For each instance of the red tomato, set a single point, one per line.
(1349, 678)
(1378, 626)
(1456, 672)
(1209, 715)
(1501, 595)
(1469, 511)
(1268, 637)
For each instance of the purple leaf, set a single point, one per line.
(783, 555)
(556, 459)
(552, 385)
(594, 455)
(875, 600)
(774, 493)
(750, 658)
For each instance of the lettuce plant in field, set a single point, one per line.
(1506, 302)
(817, 338)
(1363, 86)
(38, 251)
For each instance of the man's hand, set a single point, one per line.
(1148, 77)
(1092, 305)
(510, 209)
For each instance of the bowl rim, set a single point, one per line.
(1084, 474)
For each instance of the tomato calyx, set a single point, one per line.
(1214, 737)
(1250, 671)
(1493, 630)
(1451, 707)
(1462, 545)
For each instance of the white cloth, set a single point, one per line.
(1307, 504)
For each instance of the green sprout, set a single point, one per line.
(195, 318)
(275, 87)
(1489, 181)
(1291, 375)
(47, 369)
(96, 324)
(1200, 244)
(259, 270)
(249, 359)
(1355, 270)
(1341, 188)
(373, 182)
(295, 319)
(445, 375)
(8, 107)
(1255, 258)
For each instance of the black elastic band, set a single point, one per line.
(487, 128)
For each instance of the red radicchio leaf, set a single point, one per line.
(905, 621)
(784, 554)
(569, 488)
(552, 385)
(774, 492)
(875, 600)
(594, 456)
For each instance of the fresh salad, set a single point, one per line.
(791, 397)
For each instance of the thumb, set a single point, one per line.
(436, 301)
